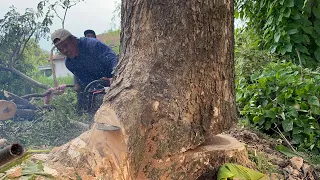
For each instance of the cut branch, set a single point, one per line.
(32, 81)
(18, 100)
(27, 96)
(34, 95)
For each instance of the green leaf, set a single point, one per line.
(236, 14)
(273, 48)
(234, 171)
(287, 12)
(307, 29)
(287, 125)
(317, 26)
(296, 38)
(289, 3)
(293, 31)
(256, 119)
(305, 20)
(293, 113)
(288, 93)
(279, 19)
(316, 11)
(307, 6)
(302, 48)
(297, 131)
(288, 47)
(315, 110)
(283, 51)
(317, 54)
(270, 114)
(286, 151)
(269, 21)
(267, 125)
(254, 77)
(306, 38)
(283, 116)
(313, 100)
(295, 16)
(277, 37)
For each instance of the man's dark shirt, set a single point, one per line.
(95, 60)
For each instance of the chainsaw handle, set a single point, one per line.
(92, 83)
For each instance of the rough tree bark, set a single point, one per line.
(173, 92)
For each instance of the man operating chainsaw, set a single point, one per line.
(87, 58)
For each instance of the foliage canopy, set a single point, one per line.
(285, 26)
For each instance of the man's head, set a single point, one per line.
(90, 33)
(65, 42)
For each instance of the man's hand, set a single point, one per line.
(76, 87)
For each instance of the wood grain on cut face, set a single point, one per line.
(7, 109)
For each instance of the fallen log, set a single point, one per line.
(10, 152)
(7, 109)
(18, 100)
(2, 142)
(27, 114)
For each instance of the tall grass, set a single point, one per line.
(49, 80)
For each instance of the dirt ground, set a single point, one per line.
(262, 151)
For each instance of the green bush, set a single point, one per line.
(249, 58)
(277, 97)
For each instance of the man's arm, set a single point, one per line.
(106, 56)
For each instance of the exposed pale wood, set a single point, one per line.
(104, 160)
(2, 142)
(7, 109)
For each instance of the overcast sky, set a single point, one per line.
(91, 14)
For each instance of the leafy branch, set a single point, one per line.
(57, 6)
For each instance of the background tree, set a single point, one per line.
(58, 6)
(32, 57)
(16, 31)
(285, 26)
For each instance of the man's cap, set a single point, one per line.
(61, 34)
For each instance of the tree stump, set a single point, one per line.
(100, 154)
(75, 160)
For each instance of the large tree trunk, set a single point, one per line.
(173, 92)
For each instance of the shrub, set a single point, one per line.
(277, 97)
(248, 57)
